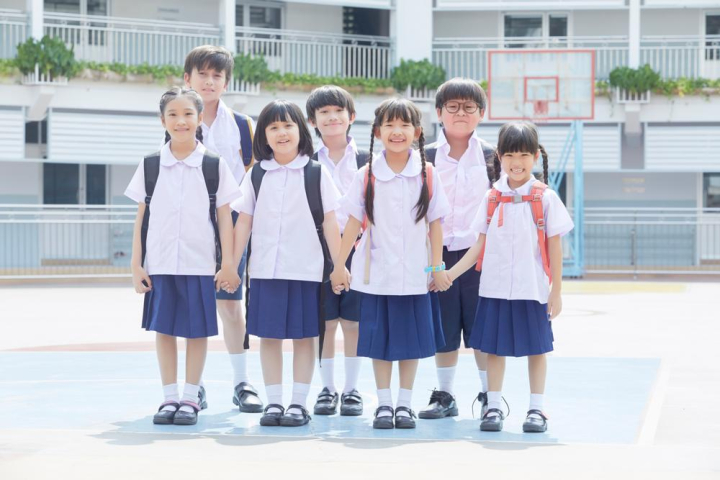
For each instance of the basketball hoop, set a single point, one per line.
(540, 108)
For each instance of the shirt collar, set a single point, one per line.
(167, 159)
(503, 187)
(382, 171)
(351, 146)
(298, 162)
(443, 145)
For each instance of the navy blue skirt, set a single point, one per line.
(399, 327)
(512, 328)
(283, 309)
(181, 306)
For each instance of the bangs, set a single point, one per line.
(518, 138)
(460, 89)
(210, 57)
(329, 95)
(399, 109)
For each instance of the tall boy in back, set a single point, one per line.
(208, 71)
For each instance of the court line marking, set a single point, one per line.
(650, 417)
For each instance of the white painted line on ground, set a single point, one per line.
(653, 409)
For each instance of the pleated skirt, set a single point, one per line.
(399, 327)
(181, 306)
(283, 309)
(512, 328)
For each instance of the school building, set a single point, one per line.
(651, 161)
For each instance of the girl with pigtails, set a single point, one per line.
(398, 203)
(520, 224)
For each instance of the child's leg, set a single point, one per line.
(271, 361)
(446, 363)
(233, 321)
(481, 360)
(303, 367)
(408, 371)
(327, 370)
(383, 375)
(195, 355)
(166, 347)
(537, 372)
(496, 374)
(351, 331)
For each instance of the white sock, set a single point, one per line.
(494, 399)
(352, 373)
(536, 403)
(299, 396)
(483, 380)
(384, 399)
(446, 379)
(327, 373)
(171, 395)
(190, 394)
(404, 400)
(274, 395)
(239, 366)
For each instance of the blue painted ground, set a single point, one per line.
(589, 400)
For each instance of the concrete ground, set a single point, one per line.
(633, 390)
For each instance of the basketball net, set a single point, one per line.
(540, 111)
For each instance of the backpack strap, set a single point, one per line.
(492, 204)
(488, 150)
(256, 177)
(211, 172)
(537, 192)
(431, 152)
(151, 169)
(315, 156)
(361, 158)
(244, 124)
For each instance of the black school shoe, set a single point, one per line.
(326, 403)
(483, 399)
(202, 398)
(295, 419)
(247, 399)
(272, 419)
(165, 417)
(401, 421)
(351, 404)
(441, 405)
(386, 422)
(187, 418)
(534, 424)
(492, 423)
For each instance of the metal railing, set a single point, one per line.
(322, 54)
(128, 40)
(652, 240)
(65, 241)
(682, 56)
(13, 30)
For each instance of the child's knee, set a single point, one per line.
(331, 327)
(230, 311)
(349, 326)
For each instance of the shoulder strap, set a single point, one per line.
(315, 157)
(151, 170)
(361, 158)
(429, 169)
(211, 172)
(492, 204)
(537, 192)
(256, 176)
(431, 152)
(244, 124)
(488, 150)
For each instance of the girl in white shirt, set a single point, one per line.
(398, 319)
(518, 298)
(286, 260)
(178, 275)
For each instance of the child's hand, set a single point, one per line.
(227, 279)
(441, 280)
(554, 305)
(141, 280)
(340, 279)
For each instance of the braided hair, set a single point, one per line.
(177, 92)
(543, 153)
(404, 109)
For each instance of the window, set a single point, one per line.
(96, 185)
(711, 190)
(256, 16)
(712, 37)
(73, 184)
(538, 27)
(80, 7)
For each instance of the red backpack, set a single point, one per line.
(495, 198)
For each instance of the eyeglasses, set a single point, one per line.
(468, 107)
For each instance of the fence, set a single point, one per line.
(322, 54)
(13, 30)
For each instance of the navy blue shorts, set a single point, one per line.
(238, 295)
(346, 305)
(458, 304)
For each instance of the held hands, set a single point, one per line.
(441, 281)
(340, 278)
(554, 305)
(141, 280)
(227, 279)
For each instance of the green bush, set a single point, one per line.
(635, 80)
(417, 74)
(252, 69)
(51, 55)
(7, 67)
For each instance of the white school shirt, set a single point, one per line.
(223, 137)
(466, 182)
(398, 250)
(342, 174)
(512, 266)
(284, 242)
(180, 239)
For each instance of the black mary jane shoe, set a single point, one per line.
(247, 399)
(187, 418)
(351, 404)
(202, 398)
(326, 403)
(165, 417)
(295, 419)
(385, 422)
(401, 421)
(492, 421)
(272, 419)
(533, 424)
(483, 399)
(441, 405)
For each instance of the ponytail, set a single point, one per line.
(198, 134)
(546, 177)
(496, 167)
(423, 203)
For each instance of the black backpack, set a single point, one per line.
(211, 172)
(361, 158)
(246, 138)
(313, 174)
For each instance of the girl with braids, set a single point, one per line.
(401, 201)
(174, 250)
(520, 223)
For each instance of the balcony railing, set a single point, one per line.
(682, 56)
(318, 53)
(13, 30)
(129, 41)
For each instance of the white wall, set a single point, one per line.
(120, 176)
(614, 22)
(178, 10)
(14, 4)
(411, 23)
(317, 18)
(640, 189)
(20, 182)
(670, 22)
(466, 24)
